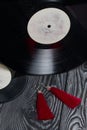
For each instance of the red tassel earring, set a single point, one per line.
(43, 110)
(69, 100)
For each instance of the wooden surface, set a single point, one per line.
(20, 114)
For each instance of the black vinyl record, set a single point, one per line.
(12, 84)
(13, 90)
(32, 55)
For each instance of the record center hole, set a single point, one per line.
(49, 26)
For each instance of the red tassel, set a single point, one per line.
(69, 100)
(43, 110)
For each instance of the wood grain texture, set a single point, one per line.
(21, 114)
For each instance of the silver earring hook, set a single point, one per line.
(48, 83)
(39, 84)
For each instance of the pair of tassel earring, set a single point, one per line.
(43, 110)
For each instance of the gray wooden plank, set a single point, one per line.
(76, 119)
(21, 114)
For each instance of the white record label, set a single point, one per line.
(5, 76)
(48, 26)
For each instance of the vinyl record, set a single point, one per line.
(48, 41)
(11, 86)
(5, 76)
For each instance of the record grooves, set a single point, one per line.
(40, 56)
